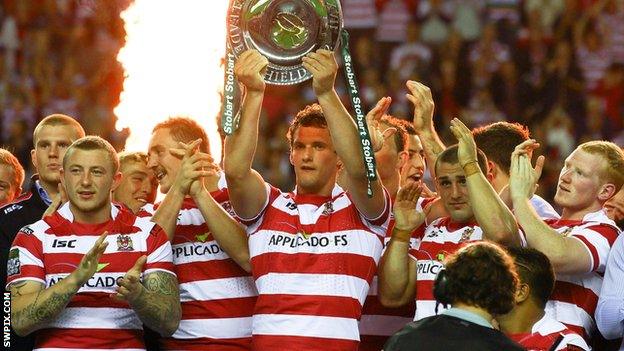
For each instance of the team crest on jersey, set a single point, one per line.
(13, 263)
(329, 208)
(466, 234)
(124, 243)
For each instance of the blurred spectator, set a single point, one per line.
(410, 60)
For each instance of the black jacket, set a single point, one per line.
(25, 210)
(446, 333)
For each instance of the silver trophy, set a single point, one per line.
(284, 31)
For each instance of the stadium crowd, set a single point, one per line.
(493, 223)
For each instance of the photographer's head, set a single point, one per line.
(480, 275)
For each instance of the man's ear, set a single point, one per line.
(33, 158)
(606, 192)
(523, 293)
(116, 181)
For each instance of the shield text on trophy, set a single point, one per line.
(284, 31)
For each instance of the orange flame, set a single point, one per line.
(172, 62)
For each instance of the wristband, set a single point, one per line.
(471, 168)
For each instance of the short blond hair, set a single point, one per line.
(7, 158)
(613, 155)
(93, 142)
(127, 157)
(58, 119)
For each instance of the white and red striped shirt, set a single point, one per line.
(217, 295)
(442, 238)
(378, 323)
(545, 333)
(50, 249)
(313, 259)
(574, 299)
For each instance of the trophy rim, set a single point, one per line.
(283, 69)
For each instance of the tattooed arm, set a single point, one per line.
(32, 306)
(156, 301)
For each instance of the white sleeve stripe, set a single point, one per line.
(33, 279)
(153, 270)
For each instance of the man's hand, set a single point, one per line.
(57, 201)
(523, 176)
(420, 96)
(195, 165)
(89, 263)
(406, 218)
(130, 287)
(467, 148)
(250, 68)
(373, 118)
(322, 64)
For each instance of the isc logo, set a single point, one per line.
(64, 243)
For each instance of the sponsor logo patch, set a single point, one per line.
(13, 263)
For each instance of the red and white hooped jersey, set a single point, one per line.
(441, 238)
(378, 323)
(217, 295)
(545, 333)
(49, 250)
(575, 297)
(313, 258)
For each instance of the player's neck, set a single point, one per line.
(98, 216)
(521, 319)
(578, 214)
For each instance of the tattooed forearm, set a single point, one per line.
(32, 311)
(158, 306)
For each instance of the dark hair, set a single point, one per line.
(400, 137)
(310, 116)
(535, 270)
(481, 274)
(449, 155)
(186, 130)
(92, 142)
(498, 141)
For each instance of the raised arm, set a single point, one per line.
(494, 218)
(230, 234)
(397, 272)
(33, 305)
(422, 100)
(344, 133)
(567, 254)
(246, 187)
(156, 301)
